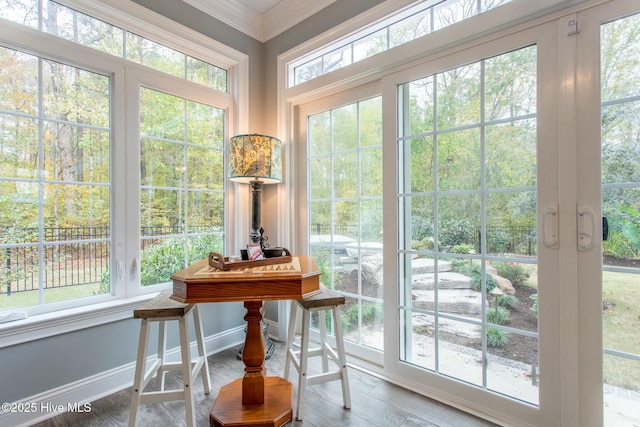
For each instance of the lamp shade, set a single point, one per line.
(255, 157)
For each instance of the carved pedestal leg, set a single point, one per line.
(253, 356)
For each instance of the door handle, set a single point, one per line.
(550, 226)
(586, 228)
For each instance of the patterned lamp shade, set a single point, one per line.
(255, 157)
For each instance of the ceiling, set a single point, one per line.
(260, 19)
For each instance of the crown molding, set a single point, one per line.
(288, 13)
(274, 21)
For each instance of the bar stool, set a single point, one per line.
(321, 303)
(162, 309)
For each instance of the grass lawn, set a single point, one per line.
(19, 300)
(620, 324)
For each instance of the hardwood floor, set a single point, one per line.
(374, 402)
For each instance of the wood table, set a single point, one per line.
(255, 399)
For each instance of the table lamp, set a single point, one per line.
(255, 160)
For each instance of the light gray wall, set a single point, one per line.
(197, 20)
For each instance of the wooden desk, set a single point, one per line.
(255, 399)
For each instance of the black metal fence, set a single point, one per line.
(71, 255)
(519, 240)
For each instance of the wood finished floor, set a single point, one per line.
(374, 402)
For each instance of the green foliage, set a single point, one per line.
(425, 244)
(456, 232)
(421, 228)
(498, 241)
(499, 315)
(159, 261)
(370, 312)
(462, 249)
(515, 273)
(496, 338)
(475, 273)
(534, 307)
(508, 301)
(618, 246)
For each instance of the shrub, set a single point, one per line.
(370, 312)
(498, 241)
(516, 273)
(496, 338)
(534, 307)
(462, 249)
(507, 301)
(498, 316)
(455, 233)
(475, 272)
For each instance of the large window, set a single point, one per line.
(55, 176)
(104, 192)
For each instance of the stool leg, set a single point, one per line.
(304, 350)
(139, 374)
(204, 371)
(291, 334)
(162, 339)
(346, 394)
(322, 318)
(187, 372)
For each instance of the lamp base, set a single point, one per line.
(269, 345)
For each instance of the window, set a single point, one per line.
(55, 175)
(402, 27)
(345, 211)
(85, 30)
(181, 183)
(88, 215)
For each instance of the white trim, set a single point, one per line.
(133, 17)
(64, 321)
(502, 17)
(284, 15)
(288, 13)
(103, 384)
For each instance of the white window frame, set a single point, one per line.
(126, 293)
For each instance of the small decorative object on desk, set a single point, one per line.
(272, 256)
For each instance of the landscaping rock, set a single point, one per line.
(459, 301)
(446, 280)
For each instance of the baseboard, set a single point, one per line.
(76, 396)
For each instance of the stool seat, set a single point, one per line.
(326, 300)
(162, 309)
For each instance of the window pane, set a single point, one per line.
(458, 99)
(456, 230)
(83, 29)
(55, 181)
(23, 12)
(181, 183)
(345, 211)
(146, 52)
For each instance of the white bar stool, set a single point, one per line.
(162, 309)
(326, 300)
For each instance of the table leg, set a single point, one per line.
(254, 400)
(253, 356)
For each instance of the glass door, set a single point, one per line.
(477, 227)
(612, 139)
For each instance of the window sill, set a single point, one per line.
(61, 322)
